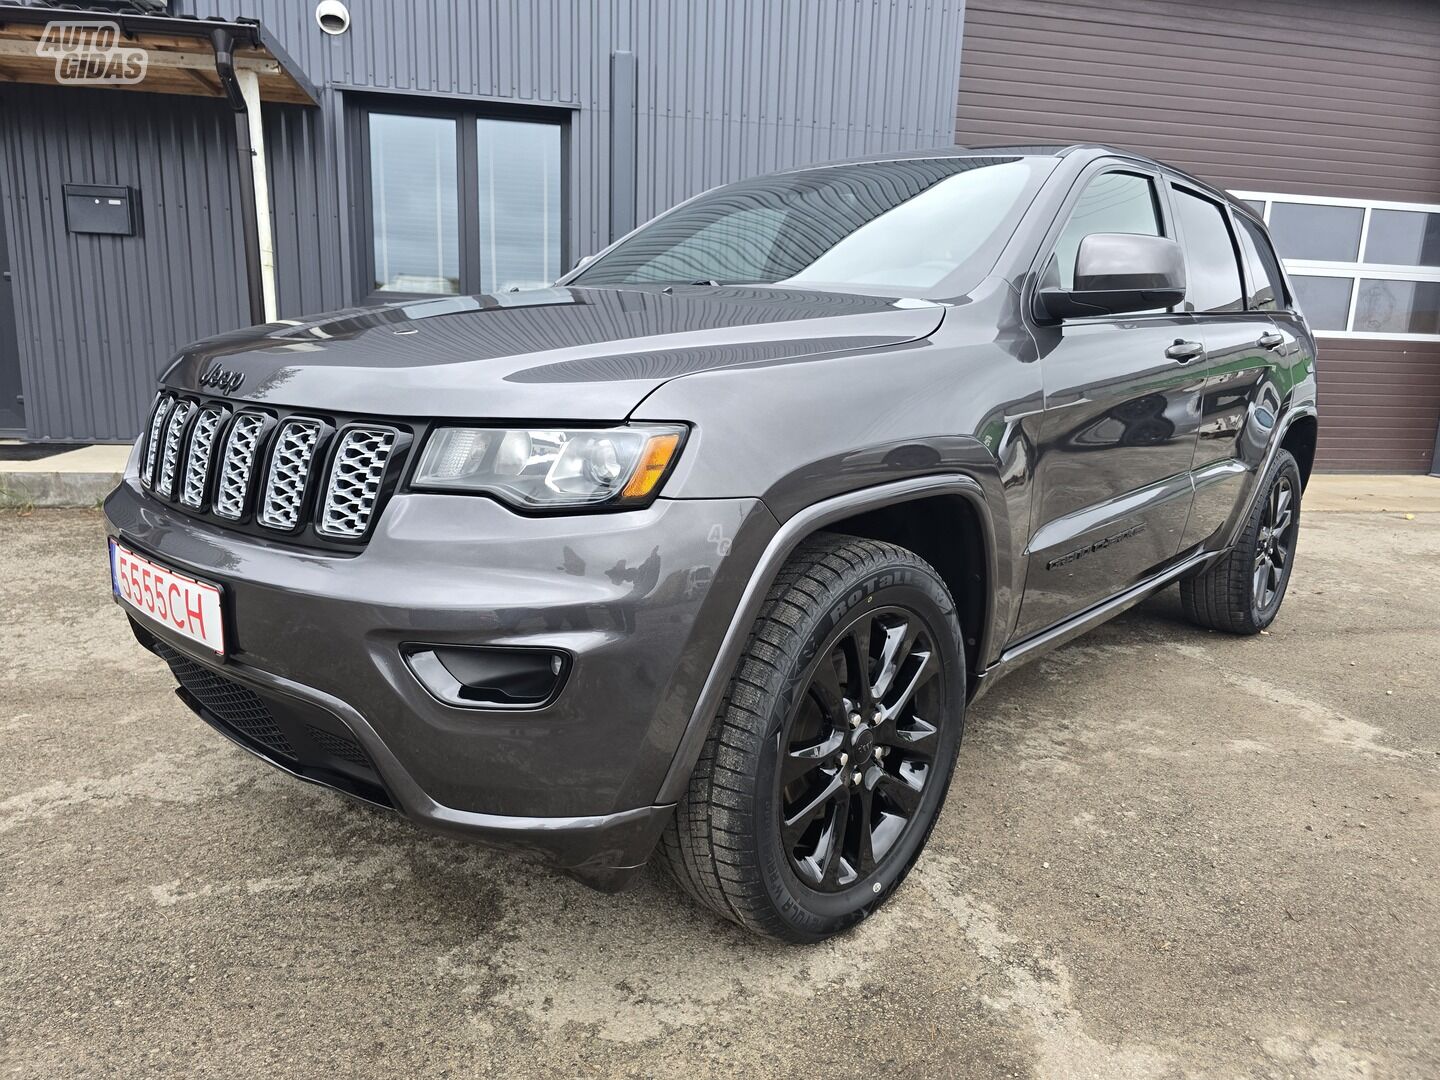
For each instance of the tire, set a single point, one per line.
(786, 738)
(1229, 594)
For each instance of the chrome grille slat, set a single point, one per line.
(153, 439)
(295, 443)
(353, 487)
(197, 461)
(170, 455)
(238, 465)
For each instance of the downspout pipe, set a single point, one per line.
(224, 44)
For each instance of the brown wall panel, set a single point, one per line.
(1379, 404)
(1318, 97)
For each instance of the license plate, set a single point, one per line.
(188, 607)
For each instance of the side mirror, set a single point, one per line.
(1116, 273)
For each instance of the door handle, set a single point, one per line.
(1271, 340)
(1184, 351)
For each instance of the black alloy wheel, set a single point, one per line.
(1275, 542)
(860, 748)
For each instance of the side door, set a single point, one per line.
(1232, 296)
(1112, 488)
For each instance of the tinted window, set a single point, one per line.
(1398, 307)
(1403, 237)
(414, 204)
(1267, 293)
(1325, 233)
(1212, 273)
(1324, 300)
(903, 226)
(519, 183)
(1112, 202)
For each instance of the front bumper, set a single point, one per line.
(640, 601)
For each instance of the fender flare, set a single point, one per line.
(786, 539)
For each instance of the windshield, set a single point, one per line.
(912, 226)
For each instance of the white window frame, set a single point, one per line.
(1353, 270)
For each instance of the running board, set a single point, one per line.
(1060, 634)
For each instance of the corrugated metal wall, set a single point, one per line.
(1319, 97)
(724, 90)
(98, 316)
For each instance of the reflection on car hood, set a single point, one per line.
(561, 354)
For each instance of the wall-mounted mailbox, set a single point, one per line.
(97, 208)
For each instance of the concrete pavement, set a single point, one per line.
(1167, 853)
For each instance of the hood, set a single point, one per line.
(546, 354)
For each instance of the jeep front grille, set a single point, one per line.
(322, 479)
(289, 472)
(239, 462)
(353, 488)
(170, 455)
(197, 462)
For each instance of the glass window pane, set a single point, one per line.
(1212, 272)
(1266, 291)
(907, 225)
(414, 205)
(519, 204)
(1398, 307)
(1325, 233)
(1325, 301)
(1111, 203)
(1403, 237)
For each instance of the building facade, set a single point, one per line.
(450, 147)
(440, 146)
(1323, 113)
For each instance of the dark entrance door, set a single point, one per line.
(12, 407)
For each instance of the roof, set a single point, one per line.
(179, 54)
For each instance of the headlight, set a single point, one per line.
(551, 468)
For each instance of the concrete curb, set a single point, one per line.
(55, 489)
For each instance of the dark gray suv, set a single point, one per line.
(705, 549)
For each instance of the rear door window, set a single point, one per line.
(1212, 269)
(1267, 286)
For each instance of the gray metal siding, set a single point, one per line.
(724, 90)
(99, 316)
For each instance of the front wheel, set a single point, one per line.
(1240, 592)
(825, 770)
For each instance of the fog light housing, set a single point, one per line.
(489, 676)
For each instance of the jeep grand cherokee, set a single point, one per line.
(704, 550)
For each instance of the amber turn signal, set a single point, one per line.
(654, 460)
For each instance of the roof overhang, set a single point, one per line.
(178, 53)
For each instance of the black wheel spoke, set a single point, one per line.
(864, 802)
(895, 637)
(801, 761)
(833, 868)
(899, 793)
(797, 822)
(915, 739)
(920, 669)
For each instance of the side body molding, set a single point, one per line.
(781, 545)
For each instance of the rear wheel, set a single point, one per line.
(827, 765)
(1241, 592)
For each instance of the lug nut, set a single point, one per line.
(844, 760)
(855, 779)
(855, 719)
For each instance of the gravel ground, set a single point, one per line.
(1166, 853)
